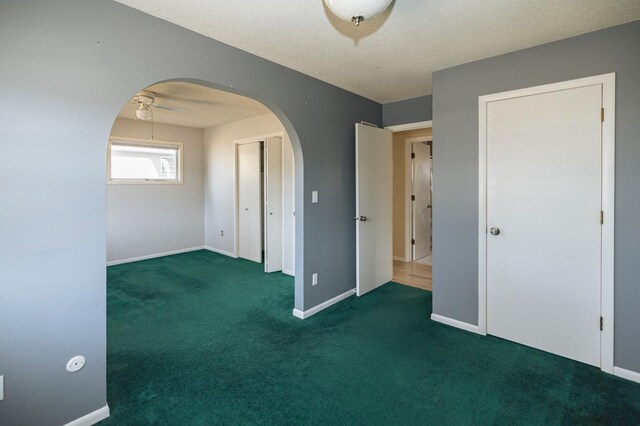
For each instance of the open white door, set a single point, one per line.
(273, 204)
(421, 200)
(374, 192)
(249, 202)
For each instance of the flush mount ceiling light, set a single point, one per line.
(357, 11)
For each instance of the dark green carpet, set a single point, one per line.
(203, 339)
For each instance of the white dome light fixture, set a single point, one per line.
(357, 11)
(144, 112)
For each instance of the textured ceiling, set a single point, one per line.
(207, 107)
(391, 57)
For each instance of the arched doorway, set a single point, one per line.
(158, 117)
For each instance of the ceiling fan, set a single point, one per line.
(145, 100)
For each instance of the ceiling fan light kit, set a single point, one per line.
(357, 11)
(145, 101)
(144, 112)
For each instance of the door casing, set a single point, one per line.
(607, 81)
(408, 187)
(236, 143)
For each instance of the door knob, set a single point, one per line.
(494, 230)
(363, 218)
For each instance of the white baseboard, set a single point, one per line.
(215, 250)
(455, 323)
(91, 418)
(401, 259)
(306, 314)
(288, 272)
(626, 374)
(152, 256)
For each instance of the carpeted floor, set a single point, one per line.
(203, 339)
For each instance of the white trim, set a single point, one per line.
(217, 250)
(401, 259)
(626, 374)
(306, 314)
(458, 324)
(259, 138)
(153, 256)
(410, 126)
(288, 272)
(608, 227)
(608, 82)
(91, 418)
(408, 189)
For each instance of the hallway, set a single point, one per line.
(414, 274)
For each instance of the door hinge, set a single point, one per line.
(601, 324)
(413, 198)
(602, 114)
(413, 242)
(601, 217)
(413, 155)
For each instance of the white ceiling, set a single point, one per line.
(391, 57)
(207, 107)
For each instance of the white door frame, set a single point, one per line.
(608, 192)
(410, 126)
(418, 125)
(254, 139)
(408, 190)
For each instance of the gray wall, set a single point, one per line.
(147, 219)
(455, 172)
(67, 68)
(408, 111)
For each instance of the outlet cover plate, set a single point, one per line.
(75, 364)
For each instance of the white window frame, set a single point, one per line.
(146, 142)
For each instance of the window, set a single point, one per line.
(144, 162)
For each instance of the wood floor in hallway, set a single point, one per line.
(413, 273)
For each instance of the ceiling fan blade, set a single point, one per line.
(170, 108)
(185, 99)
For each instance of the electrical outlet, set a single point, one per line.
(1, 388)
(314, 196)
(222, 233)
(314, 279)
(75, 364)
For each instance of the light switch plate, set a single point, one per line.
(314, 196)
(1, 388)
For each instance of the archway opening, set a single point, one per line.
(178, 178)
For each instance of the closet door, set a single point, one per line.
(250, 201)
(543, 221)
(273, 204)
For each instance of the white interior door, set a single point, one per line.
(273, 204)
(374, 192)
(544, 196)
(250, 201)
(421, 202)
